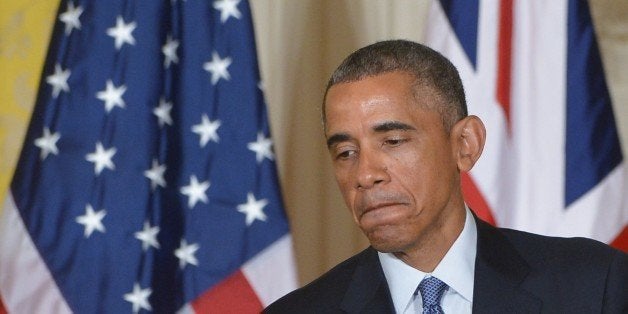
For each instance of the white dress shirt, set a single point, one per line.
(456, 269)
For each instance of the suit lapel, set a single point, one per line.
(368, 291)
(499, 272)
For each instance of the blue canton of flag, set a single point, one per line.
(147, 176)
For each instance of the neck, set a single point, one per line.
(430, 250)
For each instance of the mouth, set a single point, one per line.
(379, 206)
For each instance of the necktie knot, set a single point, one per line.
(432, 289)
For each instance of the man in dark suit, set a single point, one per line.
(399, 135)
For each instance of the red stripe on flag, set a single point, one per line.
(504, 58)
(474, 199)
(233, 295)
(3, 310)
(621, 242)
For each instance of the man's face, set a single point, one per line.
(393, 160)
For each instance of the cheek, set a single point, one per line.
(410, 167)
(342, 178)
(420, 172)
(345, 185)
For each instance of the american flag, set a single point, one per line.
(147, 180)
(532, 71)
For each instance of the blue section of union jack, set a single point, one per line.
(463, 16)
(592, 149)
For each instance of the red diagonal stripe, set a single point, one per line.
(621, 242)
(475, 200)
(504, 56)
(234, 295)
(2, 309)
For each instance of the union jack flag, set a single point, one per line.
(532, 71)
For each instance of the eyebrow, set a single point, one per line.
(392, 126)
(337, 138)
(379, 128)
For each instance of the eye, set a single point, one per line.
(394, 141)
(345, 154)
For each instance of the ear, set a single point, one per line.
(468, 138)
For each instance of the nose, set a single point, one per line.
(371, 170)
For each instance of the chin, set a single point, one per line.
(387, 239)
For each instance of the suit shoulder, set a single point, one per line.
(326, 290)
(577, 253)
(572, 270)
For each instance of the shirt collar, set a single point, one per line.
(402, 280)
(456, 269)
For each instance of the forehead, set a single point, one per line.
(389, 96)
(391, 82)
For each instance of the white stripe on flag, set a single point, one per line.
(23, 273)
(272, 273)
(538, 99)
(599, 214)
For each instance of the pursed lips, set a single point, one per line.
(379, 206)
(375, 199)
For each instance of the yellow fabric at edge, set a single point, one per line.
(25, 28)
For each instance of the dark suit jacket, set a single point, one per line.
(515, 272)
